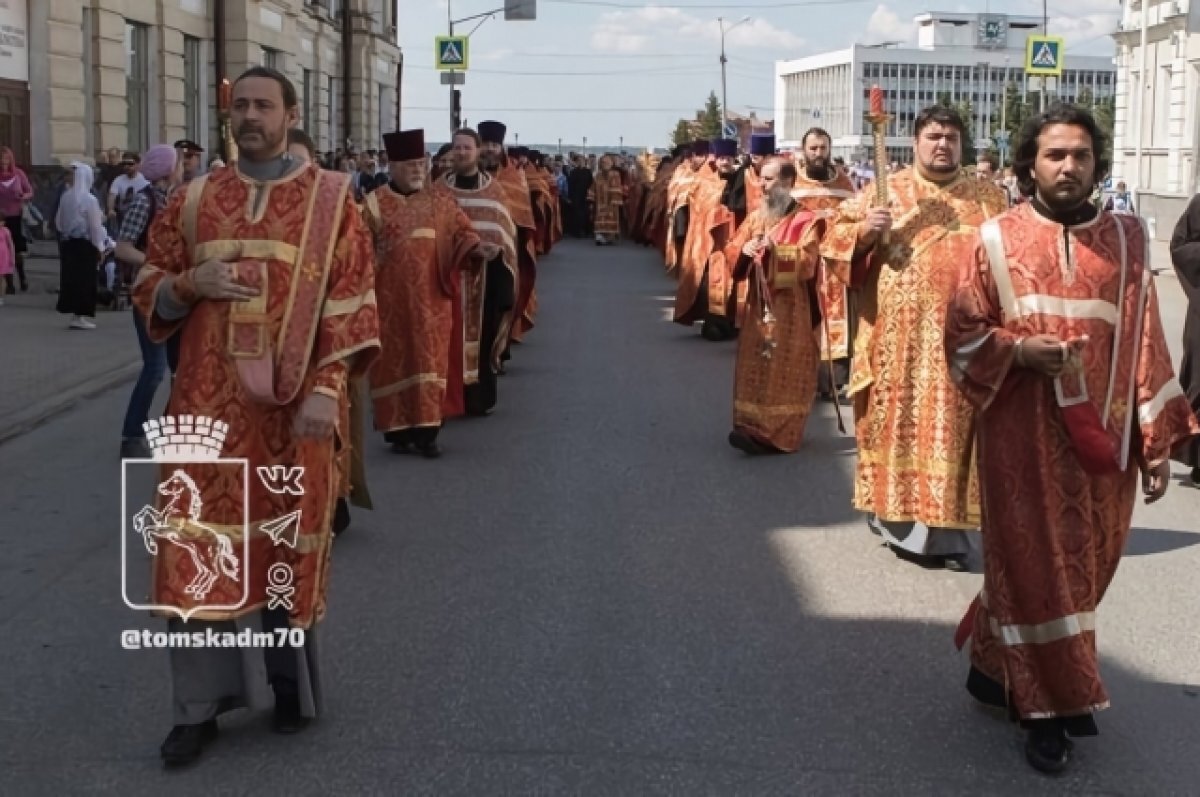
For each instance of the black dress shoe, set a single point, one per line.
(746, 444)
(288, 718)
(957, 563)
(431, 451)
(1047, 748)
(341, 516)
(185, 743)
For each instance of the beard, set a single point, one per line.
(1064, 196)
(779, 199)
(489, 161)
(817, 168)
(264, 141)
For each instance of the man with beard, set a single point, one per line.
(696, 169)
(1055, 335)
(745, 192)
(423, 241)
(776, 253)
(822, 188)
(484, 315)
(510, 176)
(265, 269)
(915, 475)
(705, 284)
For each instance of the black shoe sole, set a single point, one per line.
(177, 761)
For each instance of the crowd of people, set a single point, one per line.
(998, 337)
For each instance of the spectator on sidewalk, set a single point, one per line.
(190, 153)
(123, 187)
(15, 191)
(80, 225)
(7, 258)
(163, 168)
(1121, 201)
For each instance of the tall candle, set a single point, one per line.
(225, 95)
(876, 101)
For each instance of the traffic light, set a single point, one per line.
(455, 109)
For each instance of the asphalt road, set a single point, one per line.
(590, 593)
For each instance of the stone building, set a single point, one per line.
(1160, 86)
(78, 77)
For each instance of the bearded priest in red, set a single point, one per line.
(776, 252)
(423, 241)
(1055, 336)
(265, 270)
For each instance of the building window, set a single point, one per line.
(387, 114)
(137, 86)
(193, 81)
(309, 121)
(271, 59)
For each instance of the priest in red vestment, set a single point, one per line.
(1054, 335)
(423, 242)
(484, 315)
(265, 270)
(775, 251)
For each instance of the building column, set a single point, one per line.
(1122, 134)
(1177, 139)
(58, 105)
(111, 106)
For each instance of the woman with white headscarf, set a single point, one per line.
(80, 225)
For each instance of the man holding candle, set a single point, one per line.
(915, 476)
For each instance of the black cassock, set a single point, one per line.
(1185, 255)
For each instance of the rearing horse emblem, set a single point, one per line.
(179, 524)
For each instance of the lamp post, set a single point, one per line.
(724, 60)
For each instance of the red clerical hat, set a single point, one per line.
(405, 145)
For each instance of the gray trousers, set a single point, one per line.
(210, 681)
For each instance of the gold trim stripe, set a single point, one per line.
(1045, 633)
(1148, 413)
(405, 384)
(346, 354)
(336, 307)
(423, 232)
(252, 249)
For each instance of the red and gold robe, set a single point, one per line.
(252, 364)
(826, 197)
(1053, 532)
(654, 216)
(775, 379)
(684, 182)
(520, 208)
(914, 428)
(422, 244)
(608, 193)
(487, 208)
(704, 267)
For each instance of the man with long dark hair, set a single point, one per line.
(915, 477)
(1055, 336)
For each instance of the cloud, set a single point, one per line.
(885, 25)
(654, 28)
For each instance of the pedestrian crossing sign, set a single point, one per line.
(1044, 56)
(451, 52)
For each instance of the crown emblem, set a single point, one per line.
(188, 438)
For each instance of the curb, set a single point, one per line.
(29, 419)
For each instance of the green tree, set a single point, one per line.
(1104, 112)
(682, 134)
(711, 119)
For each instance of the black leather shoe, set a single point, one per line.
(185, 743)
(287, 715)
(431, 451)
(1047, 748)
(746, 444)
(341, 516)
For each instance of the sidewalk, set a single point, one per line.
(46, 368)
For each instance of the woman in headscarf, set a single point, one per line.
(80, 225)
(15, 191)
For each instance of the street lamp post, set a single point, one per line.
(724, 60)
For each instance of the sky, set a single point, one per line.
(624, 72)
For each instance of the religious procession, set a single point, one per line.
(735, 467)
(947, 310)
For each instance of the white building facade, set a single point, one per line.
(970, 57)
(1159, 84)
